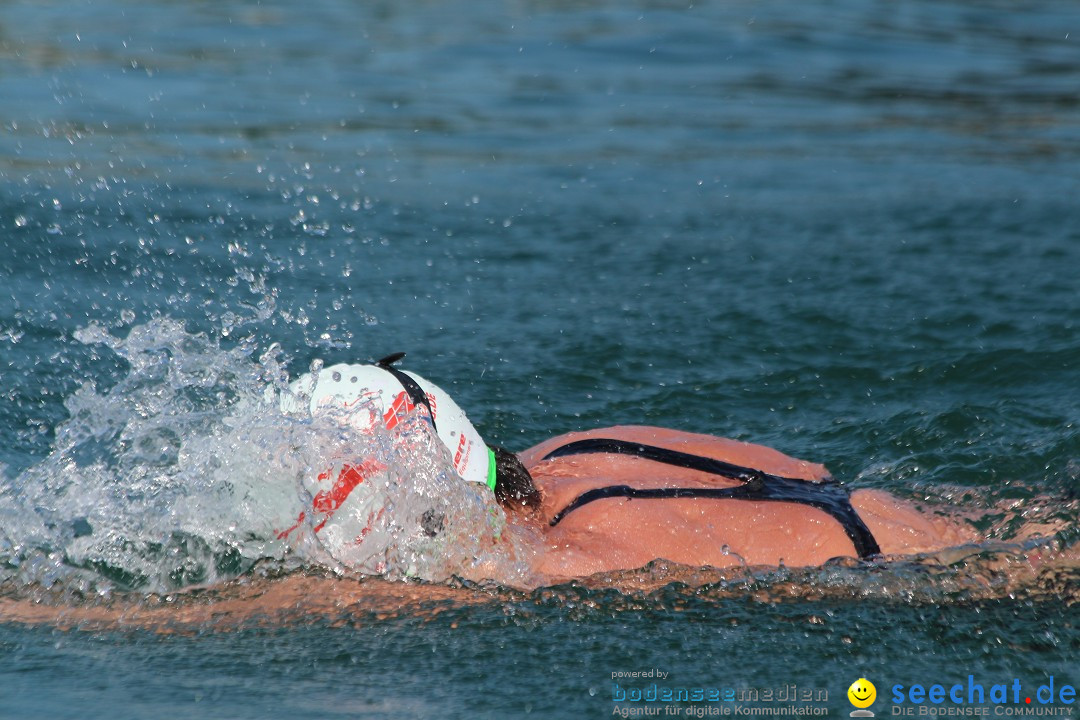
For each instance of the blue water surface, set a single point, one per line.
(848, 230)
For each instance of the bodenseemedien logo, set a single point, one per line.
(862, 695)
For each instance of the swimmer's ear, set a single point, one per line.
(514, 486)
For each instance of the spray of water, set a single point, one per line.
(187, 471)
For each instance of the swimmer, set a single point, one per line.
(590, 504)
(618, 498)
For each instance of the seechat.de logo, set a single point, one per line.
(862, 695)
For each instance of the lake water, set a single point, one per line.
(847, 230)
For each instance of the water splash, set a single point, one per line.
(187, 472)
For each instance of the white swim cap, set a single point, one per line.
(389, 394)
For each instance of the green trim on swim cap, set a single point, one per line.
(491, 469)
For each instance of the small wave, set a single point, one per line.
(277, 594)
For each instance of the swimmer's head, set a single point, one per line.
(388, 394)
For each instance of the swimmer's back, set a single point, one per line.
(620, 533)
(595, 470)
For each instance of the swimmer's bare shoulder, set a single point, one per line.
(619, 533)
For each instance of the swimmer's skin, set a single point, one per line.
(618, 533)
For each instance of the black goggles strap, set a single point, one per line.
(416, 393)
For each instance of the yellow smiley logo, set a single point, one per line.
(862, 693)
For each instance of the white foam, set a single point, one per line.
(186, 471)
